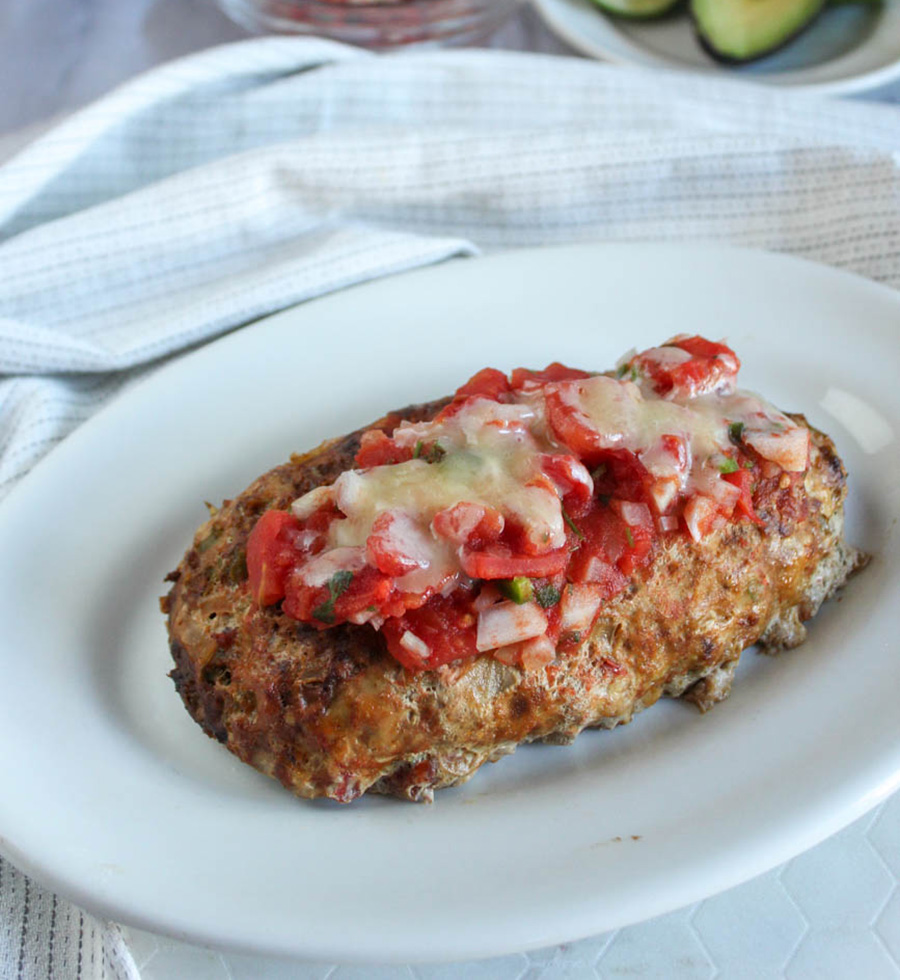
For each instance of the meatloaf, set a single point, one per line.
(328, 711)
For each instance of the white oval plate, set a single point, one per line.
(850, 48)
(111, 794)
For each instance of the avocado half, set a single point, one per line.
(637, 9)
(738, 31)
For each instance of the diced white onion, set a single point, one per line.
(538, 653)
(406, 539)
(507, 623)
(710, 484)
(634, 515)
(321, 569)
(789, 449)
(667, 356)
(579, 606)
(309, 503)
(489, 596)
(663, 493)
(307, 539)
(698, 511)
(668, 522)
(508, 655)
(415, 645)
(349, 490)
(363, 616)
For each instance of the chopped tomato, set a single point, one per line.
(468, 523)
(572, 427)
(271, 554)
(708, 367)
(394, 544)
(621, 474)
(446, 625)
(701, 347)
(743, 480)
(500, 561)
(324, 605)
(572, 481)
(376, 448)
(488, 383)
(522, 378)
(609, 541)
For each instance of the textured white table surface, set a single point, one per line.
(832, 912)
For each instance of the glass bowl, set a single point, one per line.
(375, 23)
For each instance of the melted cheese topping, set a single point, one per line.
(491, 455)
(626, 419)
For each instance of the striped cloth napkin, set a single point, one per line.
(246, 179)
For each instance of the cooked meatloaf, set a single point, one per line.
(329, 710)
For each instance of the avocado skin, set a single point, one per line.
(763, 52)
(664, 8)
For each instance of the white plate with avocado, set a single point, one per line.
(828, 47)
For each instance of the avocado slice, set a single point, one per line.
(637, 9)
(737, 31)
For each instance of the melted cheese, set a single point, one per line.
(492, 457)
(625, 419)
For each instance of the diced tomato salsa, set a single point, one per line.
(508, 522)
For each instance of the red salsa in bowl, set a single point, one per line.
(376, 23)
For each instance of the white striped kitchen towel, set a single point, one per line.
(249, 178)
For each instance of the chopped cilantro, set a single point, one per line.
(417, 452)
(728, 465)
(572, 524)
(630, 536)
(547, 595)
(337, 586)
(736, 431)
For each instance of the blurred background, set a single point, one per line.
(56, 55)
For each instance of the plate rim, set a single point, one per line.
(849, 85)
(113, 910)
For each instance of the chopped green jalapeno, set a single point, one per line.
(630, 537)
(337, 586)
(417, 452)
(728, 465)
(572, 524)
(736, 431)
(519, 589)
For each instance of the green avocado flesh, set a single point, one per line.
(638, 9)
(742, 30)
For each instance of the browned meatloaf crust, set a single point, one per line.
(331, 713)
